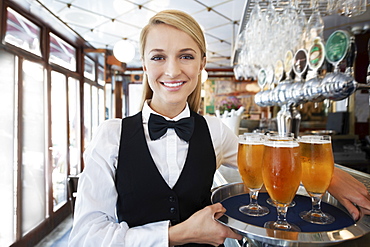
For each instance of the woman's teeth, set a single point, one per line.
(173, 84)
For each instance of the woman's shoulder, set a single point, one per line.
(218, 128)
(112, 122)
(213, 121)
(110, 125)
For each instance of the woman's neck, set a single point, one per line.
(169, 111)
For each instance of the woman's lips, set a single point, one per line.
(173, 84)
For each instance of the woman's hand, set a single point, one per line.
(349, 191)
(202, 228)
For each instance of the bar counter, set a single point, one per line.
(225, 175)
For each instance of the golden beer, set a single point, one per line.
(250, 164)
(250, 151)
(282, 171)
(317, 165)
(317, 170)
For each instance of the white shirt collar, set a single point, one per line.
(147, 110)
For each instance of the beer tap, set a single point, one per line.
(338, 86)
(334, 86)
(368, 68)
(289, 118)
(351, 57)
(316, 59)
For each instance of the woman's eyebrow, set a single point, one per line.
(188, 49)
(156, 50)
(182, 50)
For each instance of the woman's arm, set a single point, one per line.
(95, 222)
(348, 190)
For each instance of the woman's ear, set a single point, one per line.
(203, 63)
(143, 65)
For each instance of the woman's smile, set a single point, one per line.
(173, 84)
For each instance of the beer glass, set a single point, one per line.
(317, 170)
(281, 171)
(269, 200)
(250, 151)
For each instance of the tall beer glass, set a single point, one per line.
(281, 171)
(317, 170)
(250, 151)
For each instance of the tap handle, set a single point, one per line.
(368, 68)
(368, 49)
(352, 52)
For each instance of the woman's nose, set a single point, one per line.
(173, 69)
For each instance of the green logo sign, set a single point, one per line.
(337, 46)
(316, 55)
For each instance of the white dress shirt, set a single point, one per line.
(95, 221)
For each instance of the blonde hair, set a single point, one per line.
(187, 24)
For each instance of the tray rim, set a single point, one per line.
(257, 233)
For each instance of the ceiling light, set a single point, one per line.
(124, 51)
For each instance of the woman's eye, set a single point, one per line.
(187, 57)
(157, 58)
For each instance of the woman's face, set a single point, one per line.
(172, 61)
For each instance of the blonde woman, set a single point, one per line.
(145, 185)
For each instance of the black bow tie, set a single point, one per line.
(158, 126)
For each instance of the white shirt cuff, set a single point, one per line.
(153, 234)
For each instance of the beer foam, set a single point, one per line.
(315, 141)
(282, 144)
(252, 142)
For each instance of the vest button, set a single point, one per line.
(172, 210)
(172, 199)
(174, 222)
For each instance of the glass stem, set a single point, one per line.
(253, 195)
(281, 219)
(316, 204)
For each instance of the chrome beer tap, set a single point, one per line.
(333, 86)
(338, 86)
(368, 68)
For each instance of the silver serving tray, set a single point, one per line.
(259, 235)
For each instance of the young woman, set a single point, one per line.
(147, 186)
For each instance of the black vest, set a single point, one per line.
(143, 194)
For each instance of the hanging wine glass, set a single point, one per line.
(315, 25)
(277, 33)
(270, 12)
(241, 40)
(254, 47)
(270, 16)
(262, 41)
(288, 18)
(301, 29)
(331, 6)
(355, 7)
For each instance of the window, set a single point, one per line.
(109, 100)
(87, 114)
(101, 100)
(59, 138)
(33, 146)
(101, 76)
(62, 53)
(22, 33)
(74, 126)
(8, 139)
(94, 108)
(89, 71)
